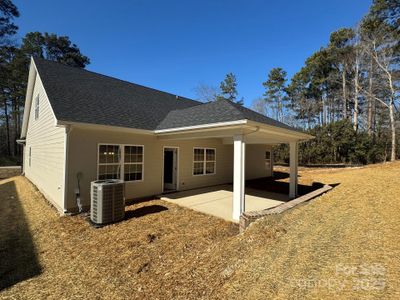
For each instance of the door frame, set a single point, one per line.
(270, 168)
(177, 167)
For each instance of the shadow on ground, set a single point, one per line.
(143, 211)
(18, 257)
(272, 184)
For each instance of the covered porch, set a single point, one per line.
(230, 201)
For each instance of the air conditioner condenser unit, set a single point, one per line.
(107, 201)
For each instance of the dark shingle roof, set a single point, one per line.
(215, 112)
(78, 95)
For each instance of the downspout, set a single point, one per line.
(254, 131)
(68, 129)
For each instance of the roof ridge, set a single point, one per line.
(234, 105)
(184, 108)
(114, 78)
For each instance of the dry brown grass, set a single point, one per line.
(345, 239)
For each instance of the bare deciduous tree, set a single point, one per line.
(381, 48)
(206, 93)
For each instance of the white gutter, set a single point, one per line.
(203, 126)
(60, 123)
(279, 130)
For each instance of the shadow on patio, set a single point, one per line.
(18, 257)
(260, 193)
(273, 184)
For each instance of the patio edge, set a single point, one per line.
(249, 217)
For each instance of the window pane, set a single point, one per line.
(109, 172)
(102, 154)
(133, 172)
(127, 155)
(109, 154)
(137, 158)
(210, 167)
(113, 154)
(267, 155)
(210, 154)
(198, 168)
(198, 154)
(133, 154)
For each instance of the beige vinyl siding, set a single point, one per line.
(47, 149)
(83, 145)
(82, 158)
(255, 161)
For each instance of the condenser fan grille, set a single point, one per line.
(107, 201)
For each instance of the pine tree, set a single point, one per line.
(275, 92)
(229, 90)
(341, 49)
(8, 11)
(14, 67)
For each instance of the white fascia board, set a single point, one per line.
(28, 98)
(61, 123)
(202, 126)
(278, 130)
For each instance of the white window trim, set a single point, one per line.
(37, 106)
(205, 161)
(122, 161)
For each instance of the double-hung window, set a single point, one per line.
(109, 162)
(133, 163)
(120, 162)
(204, 161)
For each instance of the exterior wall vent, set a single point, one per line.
(107, 201)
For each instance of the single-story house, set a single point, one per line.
(81, 126)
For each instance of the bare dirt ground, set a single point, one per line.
(345, 243)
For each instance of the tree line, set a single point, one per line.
(15, 57)
(353, 82)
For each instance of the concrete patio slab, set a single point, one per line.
(217, 200)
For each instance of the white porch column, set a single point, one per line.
(293, 169)
(239, 147)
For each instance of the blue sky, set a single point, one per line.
(175, 45)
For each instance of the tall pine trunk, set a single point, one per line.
(19, 128)
(7, 117)
(344, 93)
(355, 116)
(370, 99)
(15, 125)
(324, 110)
